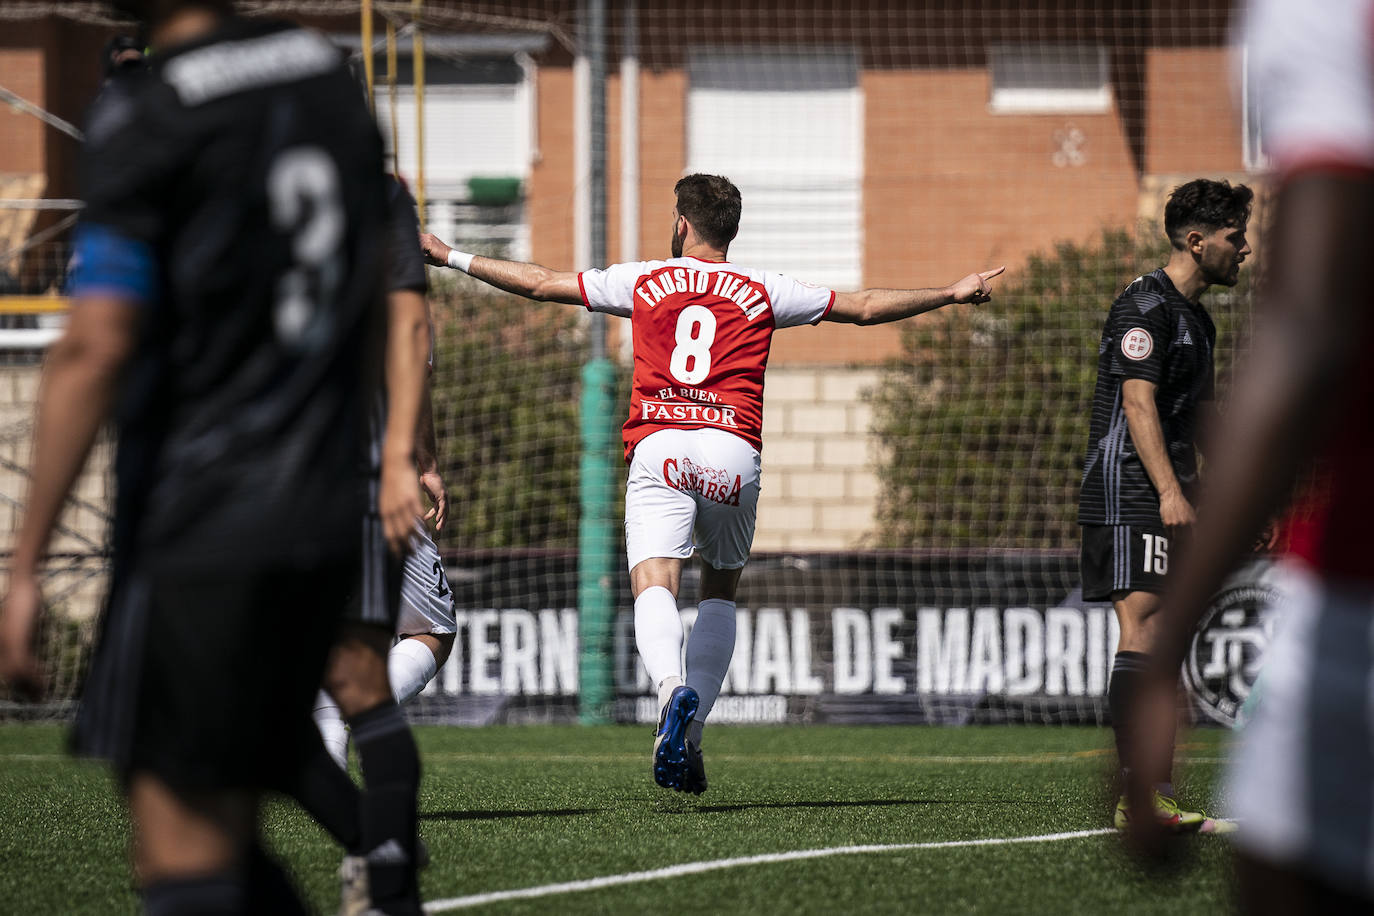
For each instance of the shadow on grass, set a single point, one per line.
(502, 815)
(869, 803)
(684, 806)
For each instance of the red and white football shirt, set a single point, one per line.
(702, 332)
(1313, 72)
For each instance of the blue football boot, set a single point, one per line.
(670, 746)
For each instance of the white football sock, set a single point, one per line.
(658, 634)
(333, 731)
(709, 649)
(410, 665)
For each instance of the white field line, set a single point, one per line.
(696, 868)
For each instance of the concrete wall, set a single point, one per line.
(819, 489)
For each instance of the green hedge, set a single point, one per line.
(983, 421)
(506, 387)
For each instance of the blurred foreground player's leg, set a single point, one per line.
(356, 676)
(426, 627)
(1302, 781)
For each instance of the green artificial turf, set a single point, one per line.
(523, 807)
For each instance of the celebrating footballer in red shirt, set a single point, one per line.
(702, 330)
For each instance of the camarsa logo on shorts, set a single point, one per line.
(678, 412)
(712, 483)
(1137, 344)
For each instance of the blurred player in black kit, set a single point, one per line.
(228, 311)
(1155, 378)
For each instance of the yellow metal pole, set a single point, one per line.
(367, 47)
(33, 305)
(418, 56)
(391, 94)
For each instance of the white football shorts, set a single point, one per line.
(426, 598)
(1302, 780)
(686, 481)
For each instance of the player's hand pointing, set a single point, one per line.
(975, 287)
(435, 249)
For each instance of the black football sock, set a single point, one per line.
(269, 888)
(328, 794)
(391, 773)
(219, 894)
(1127, 671)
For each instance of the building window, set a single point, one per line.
(479, 132)
(1049, 79)
(786, 126)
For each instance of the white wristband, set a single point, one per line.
(459, 260)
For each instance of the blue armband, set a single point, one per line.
(106, 262)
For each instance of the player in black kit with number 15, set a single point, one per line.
(1154, 379)
(228, 311)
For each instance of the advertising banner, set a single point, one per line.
(843, 638)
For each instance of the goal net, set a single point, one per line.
(916, 551)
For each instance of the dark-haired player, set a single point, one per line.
(702, 329)
(227, 310)
(1154, 380)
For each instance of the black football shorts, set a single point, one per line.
(228, 667)
(1124, 558)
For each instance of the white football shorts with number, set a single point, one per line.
(426, 598)
(692, 488)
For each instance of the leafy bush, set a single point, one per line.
(983, 421)
(506, 389)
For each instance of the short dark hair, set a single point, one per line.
(1205, 204)
(712, 205)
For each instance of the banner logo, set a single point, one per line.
(1227, 648)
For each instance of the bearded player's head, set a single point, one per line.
(709, 206)
(1208, 219)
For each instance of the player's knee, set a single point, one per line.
(719, 583)
(442, 647)
(357, 679)
(354, 697)
(656, 572)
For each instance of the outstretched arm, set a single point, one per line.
(879, 306)
(524, 279)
